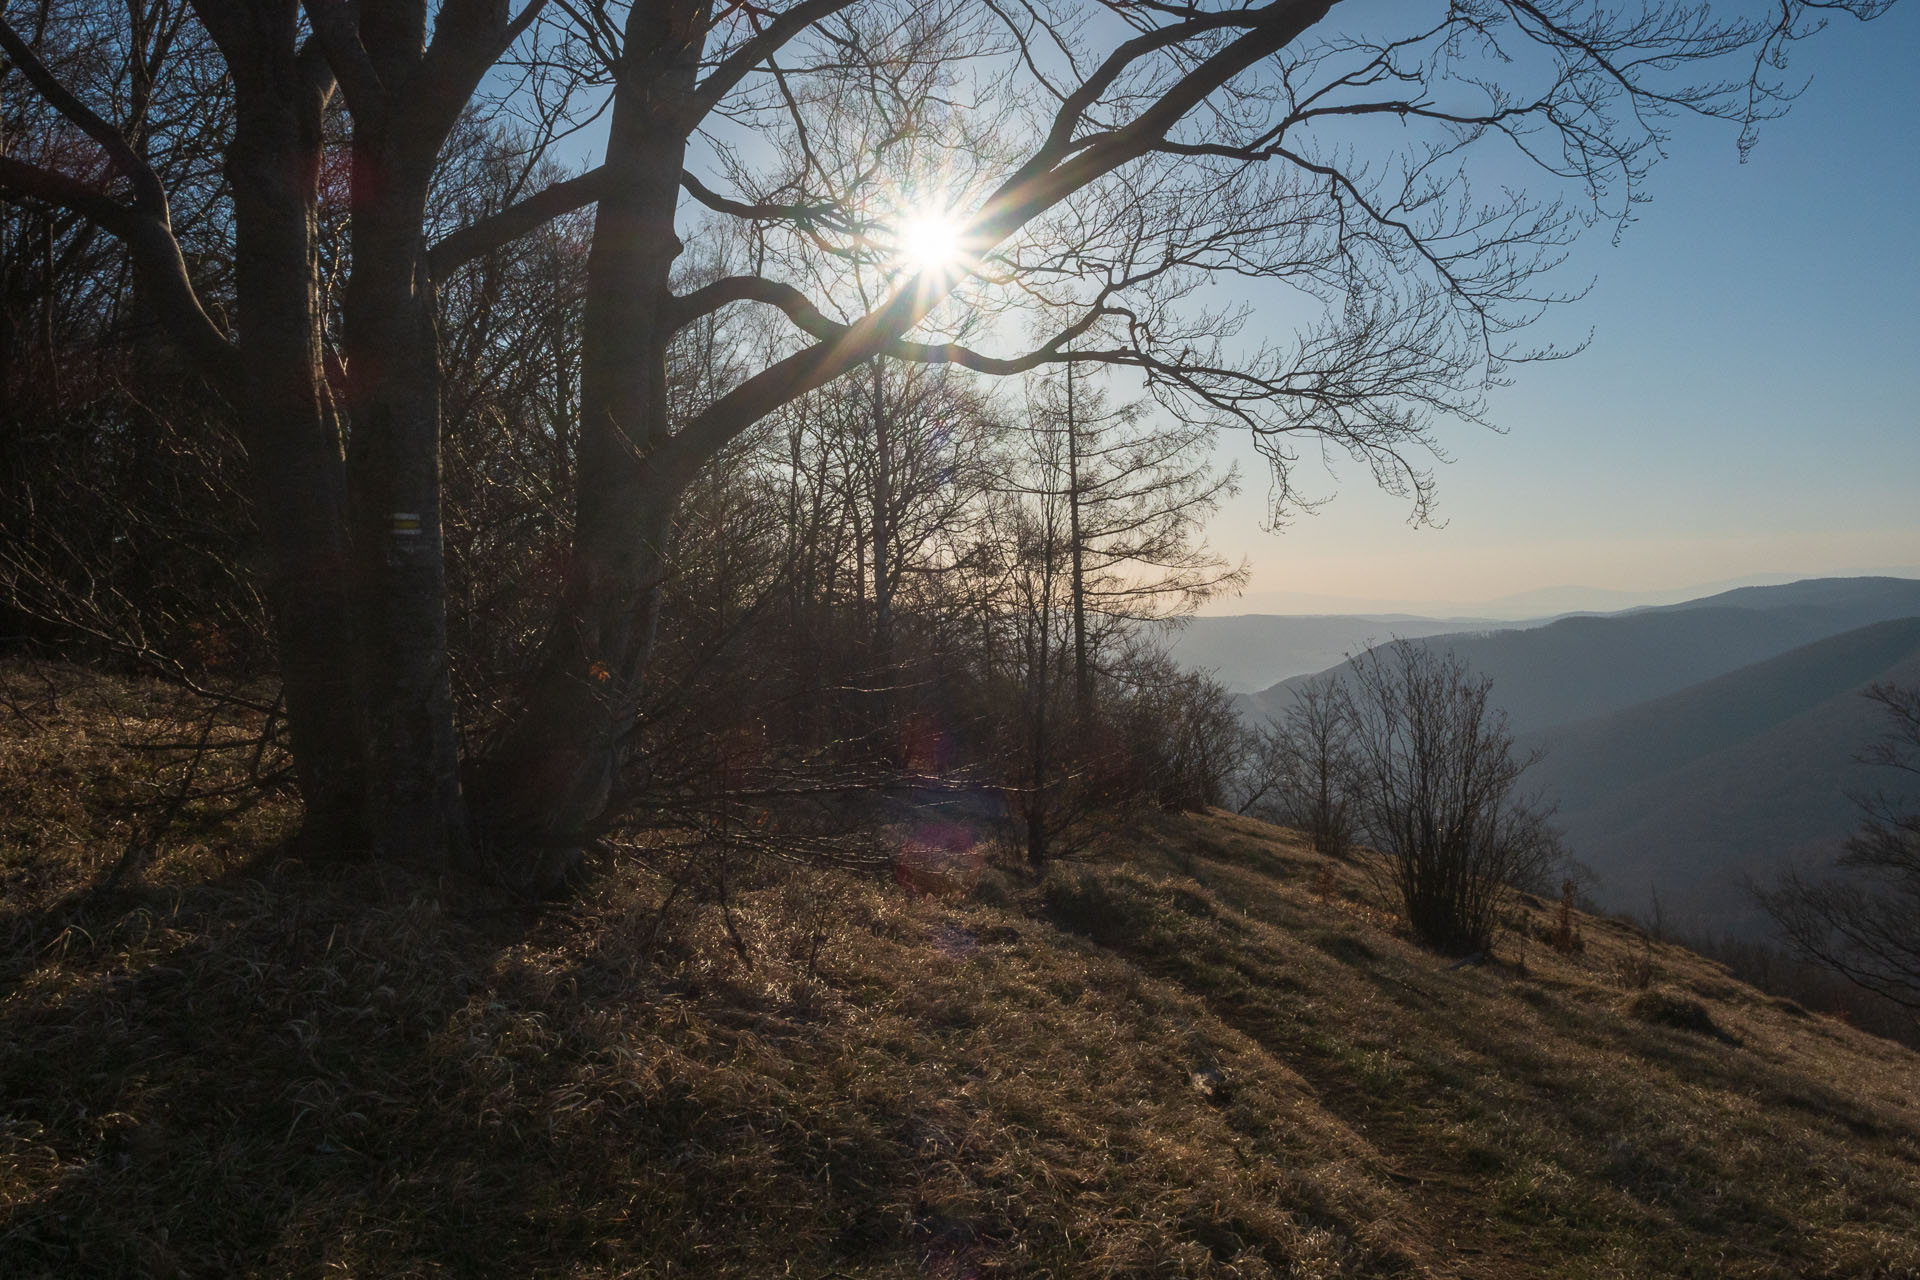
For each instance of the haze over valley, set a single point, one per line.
(1689, 747)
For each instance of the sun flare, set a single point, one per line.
(928, 240)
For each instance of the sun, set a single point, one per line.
(928, 241)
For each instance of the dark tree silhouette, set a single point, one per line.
(1863, 923)
(1104, 164)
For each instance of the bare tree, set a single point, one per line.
(1435, 791)
(1106, 164)
(268, 365)
(350, 519)
(1184, 740)
(1300, 768)
(1098, 522)
(1136, 492)
(1863, 922)
(1100, 164)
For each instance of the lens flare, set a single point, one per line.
(928, 241)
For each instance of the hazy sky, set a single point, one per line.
(1750, 402)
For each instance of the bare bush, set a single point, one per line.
(1434, 788)
(1299, 766)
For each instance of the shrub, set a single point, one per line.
(1565, 937)
(1298, 768)
(1861, 920)
(1635, 970)
(1434, 789)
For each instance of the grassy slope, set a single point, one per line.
(1206, 1056)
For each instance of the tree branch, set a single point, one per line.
(337, 29)
(736, 66)
(23, 181)
(804, 215)
(1024, 196)
(809, 319)
(468, 38)
(478, 239)
(148, 195)
(145, 228)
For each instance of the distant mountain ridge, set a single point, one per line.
(1815, 593)
(1693, 746)
(1595, 758)
(1693, 794)
(1250, 651)
(1536, 602)
(1578, 667)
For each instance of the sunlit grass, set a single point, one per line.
(1212, 1054)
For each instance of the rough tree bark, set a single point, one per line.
(405, 95)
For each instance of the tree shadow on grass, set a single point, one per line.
(280, 1072)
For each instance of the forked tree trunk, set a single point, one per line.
(550, 775)
(295, 467)
(406, 98)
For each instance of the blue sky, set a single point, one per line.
(1749, 404)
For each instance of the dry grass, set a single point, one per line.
(1552, 1119)
(1211, 1056)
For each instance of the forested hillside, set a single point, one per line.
(1679, 800)
(1696, 794)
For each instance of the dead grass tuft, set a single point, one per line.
(1565, 936)
(1665, 1008)
(1634, 968)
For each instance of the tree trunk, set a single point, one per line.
(882, 553)
(1082, 672)
(414, 804)
(1037, 815)
(551, 773)
(1040, 691)
(286, 422)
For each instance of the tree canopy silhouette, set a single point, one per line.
(1325, 225)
